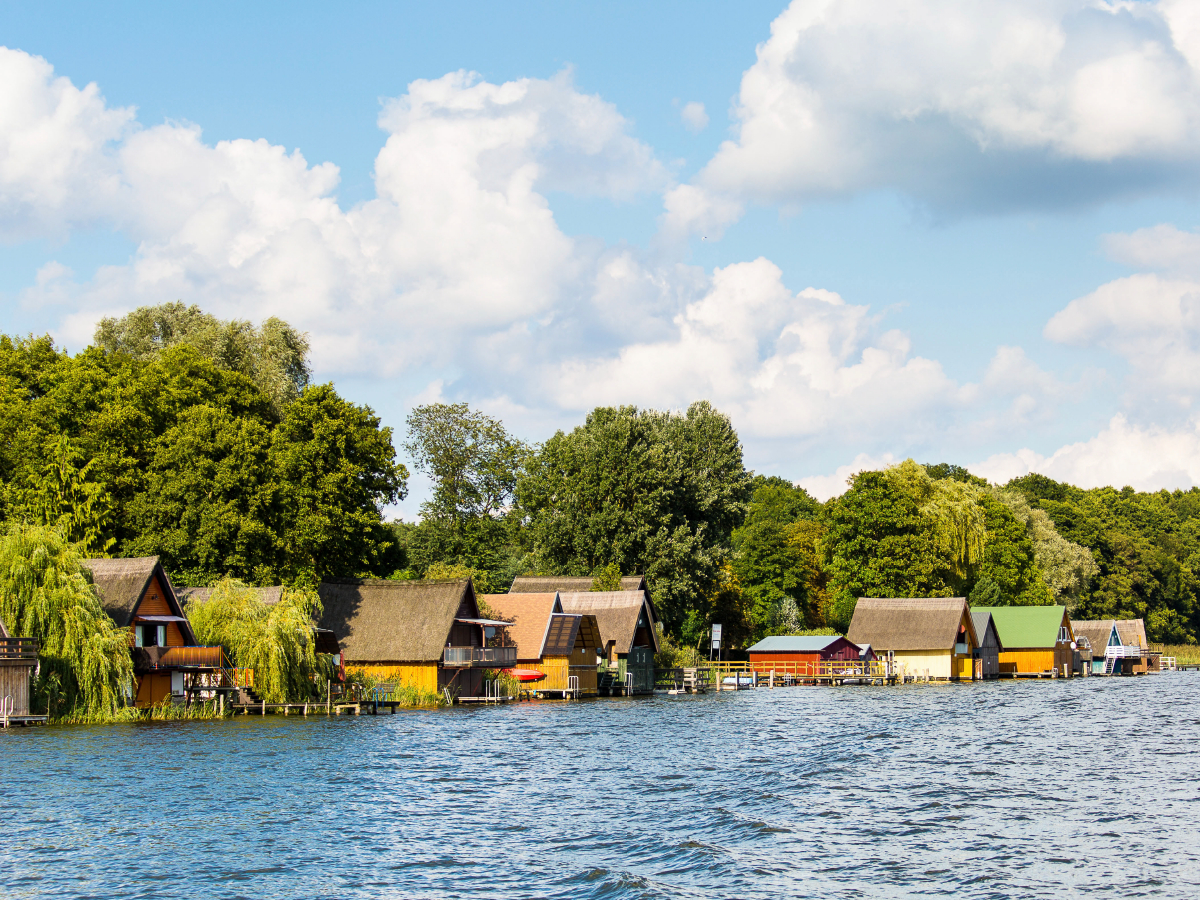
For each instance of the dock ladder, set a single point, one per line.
(6, 709)
(573, 686)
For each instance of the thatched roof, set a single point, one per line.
(120, 584)
(570, 584)
(1027, 627)
(530, 615)
(1133, 633)
(908, 623)
(616, 612)
(269, 595)
(382, 621)
(1097, 632)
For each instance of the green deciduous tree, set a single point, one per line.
(274, 356)
(651, 492)
(275, 640)
(46, 594)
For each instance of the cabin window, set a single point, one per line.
(162, 635)
(138, 637)
(1063, 634)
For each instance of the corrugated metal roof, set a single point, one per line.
(785, 643)
(1026, 627)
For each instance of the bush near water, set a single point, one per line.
(205, 443)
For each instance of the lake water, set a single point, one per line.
(1028, 789)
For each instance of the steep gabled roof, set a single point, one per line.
(120, 584)
(1026, 627)
(530, 615)
(982, 620)
(1097, 632)
(384, 621)
(616, 612)
(809, 643)
(560, 636)
(269, 595)
(908, 623)
(570, 584)
(1133, 633)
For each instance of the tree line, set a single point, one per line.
(204, 442)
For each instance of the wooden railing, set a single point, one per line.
(825, 669)
(493, 657)
(18, 648)
(192, 657)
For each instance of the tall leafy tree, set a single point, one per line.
(648, 491)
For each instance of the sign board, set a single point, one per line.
(716, 632)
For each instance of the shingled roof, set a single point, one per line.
(616, 613)
(908, 623)
(530, 615)
(383, 621)
(982, 620)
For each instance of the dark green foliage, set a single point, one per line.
(652, 492)
(1008, 559)
(938, 471)
(879, 546)
(1147, 547)
(190, 460)
(772, 564)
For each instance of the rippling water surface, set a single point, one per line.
(1033, 789)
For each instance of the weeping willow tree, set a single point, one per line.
(85, 668)
(275, 640)
(63, 495)
(952, 508)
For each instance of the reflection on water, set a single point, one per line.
(1034, 789)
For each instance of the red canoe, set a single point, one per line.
(525, 674)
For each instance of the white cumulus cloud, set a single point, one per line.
(694, 116)
(967, 104)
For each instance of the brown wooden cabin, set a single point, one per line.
(795, 654)
(575, 584)
(1117, 646)
(18, 659)
(987, 654)
(548, 640)
(427, 635)
(928, 637)
(167, 661)
(627, 633)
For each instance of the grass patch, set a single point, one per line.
(1185, 654)
(129, 715)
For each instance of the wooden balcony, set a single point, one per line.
(149, 659)
(480, 657)
(18, 651)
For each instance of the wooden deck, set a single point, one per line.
(22, 721)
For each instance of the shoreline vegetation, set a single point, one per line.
(204, 443)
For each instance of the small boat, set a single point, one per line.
(525, 674)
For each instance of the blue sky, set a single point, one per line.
(959, 231)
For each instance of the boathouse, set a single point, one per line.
(929, 637)
(426, 635)
(575, 584)
(1118, 646)
(137, 594)
(18, 659)
(795, 654)
(557, 644)
(1036, 640)
(987, 654)
(628, 637)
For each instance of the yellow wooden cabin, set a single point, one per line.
(1035, 640)
(928, 637)
(426, 635)
(560, 645)
(167, 661)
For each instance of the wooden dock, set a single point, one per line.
(22, 721)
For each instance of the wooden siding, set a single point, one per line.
(934, 663)
(14, 682)
(422, 676)
(777, 657)
(154, 603)
(1016, 661)
(152, 689)
(557, 668)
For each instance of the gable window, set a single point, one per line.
(1063, 634)
(138, 636)
(161, 636)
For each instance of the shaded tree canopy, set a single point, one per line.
(652, 492)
